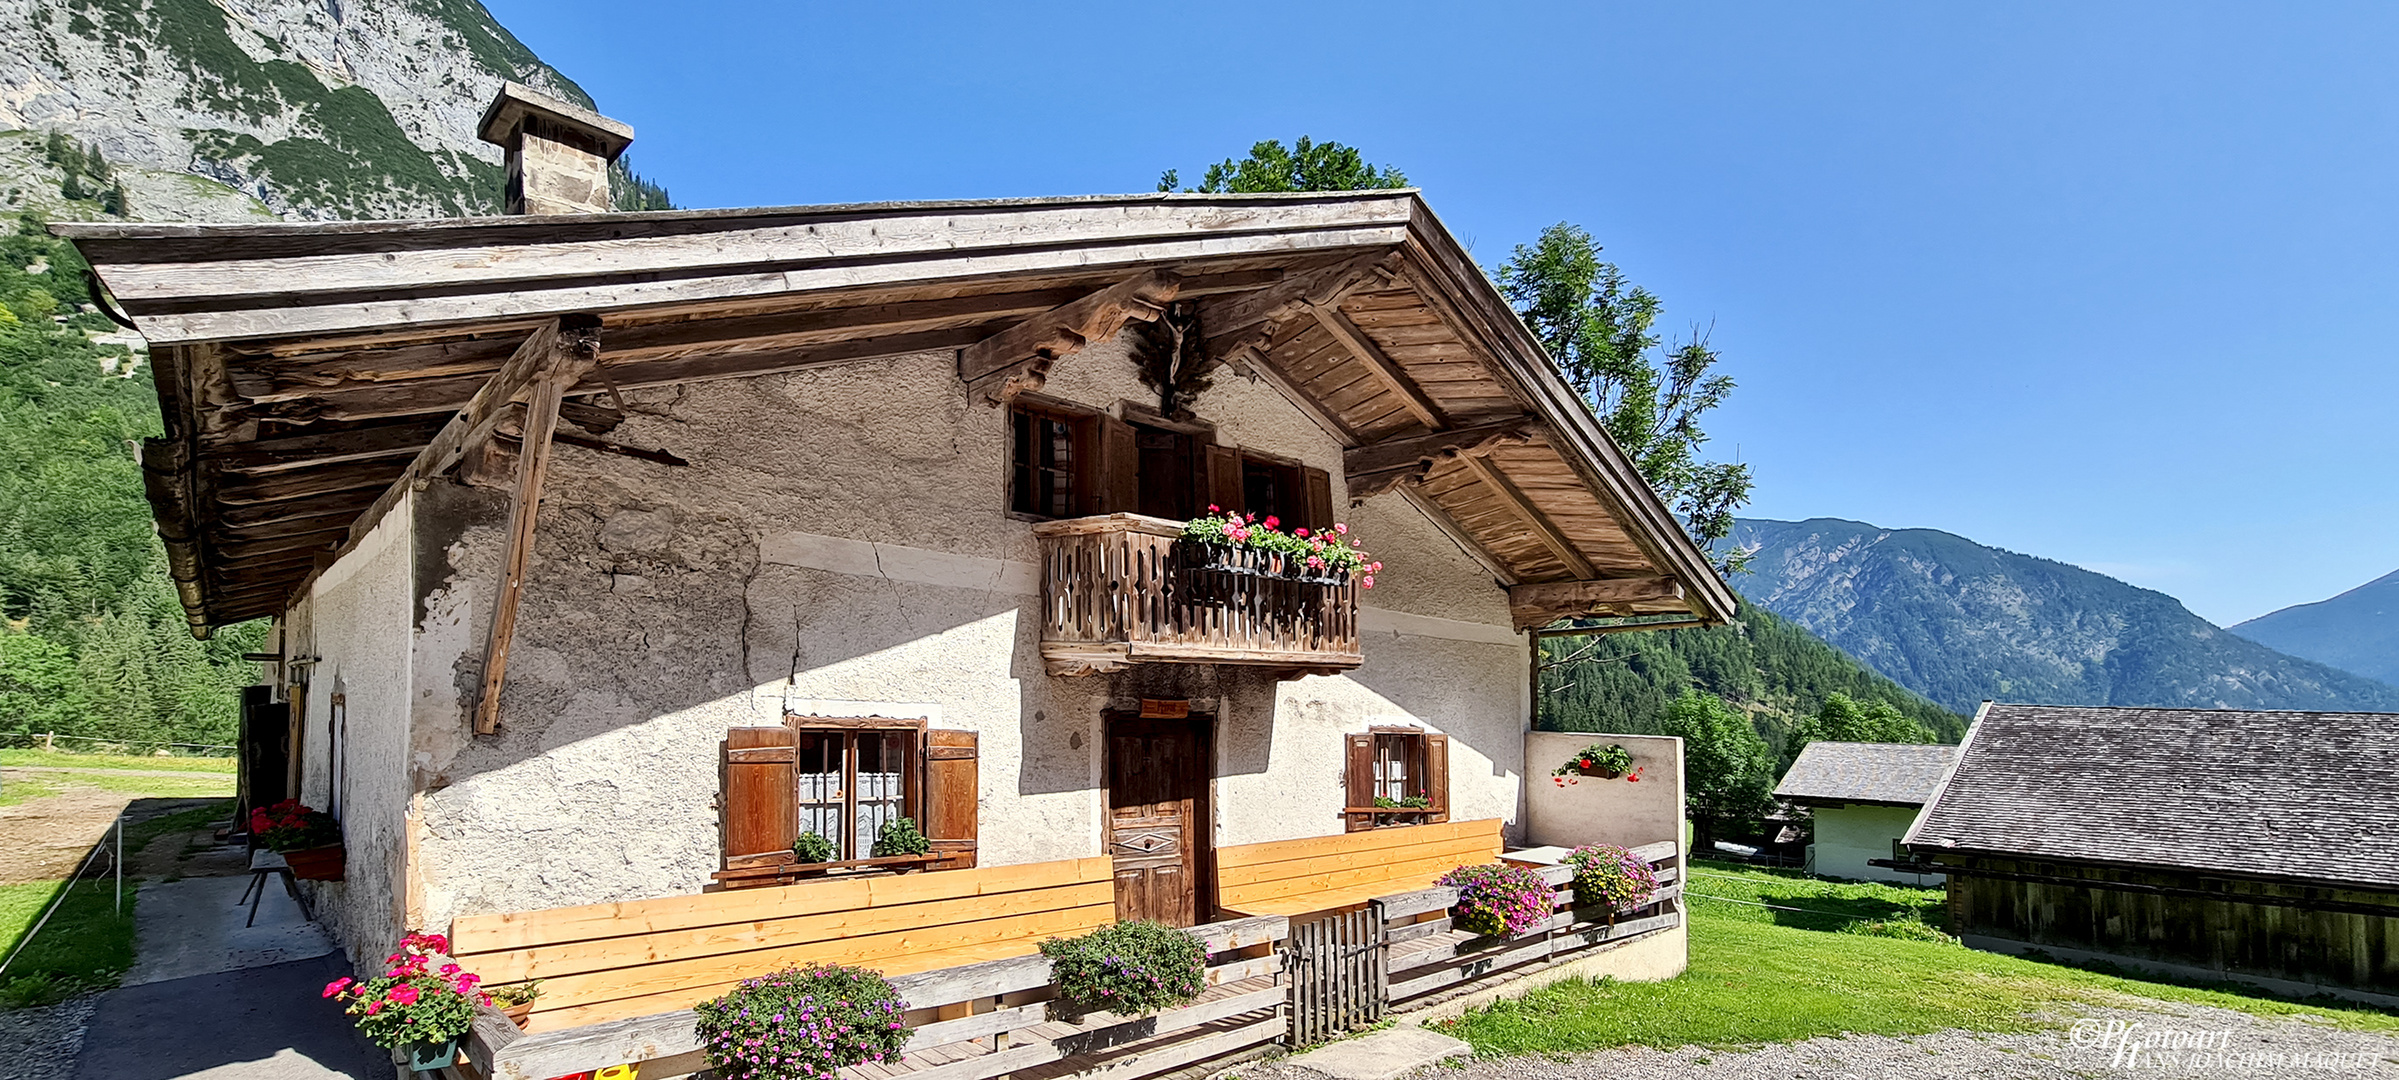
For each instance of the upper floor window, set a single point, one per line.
(1049, 455)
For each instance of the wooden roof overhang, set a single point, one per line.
(304, 368)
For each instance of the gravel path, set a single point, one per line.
(2235, 1044)
(41, 1044)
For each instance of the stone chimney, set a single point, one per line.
(558, 153)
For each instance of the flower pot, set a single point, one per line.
(426, 1056)
(317, 863)
(518, 1014)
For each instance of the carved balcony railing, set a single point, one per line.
(1119, 590)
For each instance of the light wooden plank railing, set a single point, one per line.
(973, 1022)
(1345, 870)
(605, 962)
(1120, 589)
(1426, 954)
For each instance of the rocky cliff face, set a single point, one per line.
(1959, 623)
(316, 108)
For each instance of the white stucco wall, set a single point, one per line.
(839, 543)
(356, 620)
(1848, 835)
(1574, 811)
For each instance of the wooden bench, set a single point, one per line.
(1326, 874)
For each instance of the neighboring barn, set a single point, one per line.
(2256, 846)
(1864, 796)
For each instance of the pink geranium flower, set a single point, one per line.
(337, 986)
(403, 994)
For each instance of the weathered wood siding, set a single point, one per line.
(2316, 935)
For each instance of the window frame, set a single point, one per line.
(1082, 473)
(912, 779)
(1431, 780)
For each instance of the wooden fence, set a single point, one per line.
(973, 1022)
(605, 962)
(1329, 873)
(1425, 955)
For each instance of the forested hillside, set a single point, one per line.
(1960, 622)
(1765, 665)
(94, 643)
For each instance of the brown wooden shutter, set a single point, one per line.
(1119, 468)
(951, 797)
(1224, 477)
(1436, 775)
(1359, 790)
(760, 811)
(1319, 484)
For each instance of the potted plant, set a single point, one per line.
(515, 1001)
(802, 1024)
(1129, 969)
(310, 841)
(1604, 760)
(1218, 542)
(1412, 802)
(812, 847)
(1498, 899)
(416, 1006)
(900, 836)
(1612, 879)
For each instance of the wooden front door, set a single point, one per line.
(1157, 826)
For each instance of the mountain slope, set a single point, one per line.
(319, 109)
(1960, 622)
(1768, 666)
(2357, 631)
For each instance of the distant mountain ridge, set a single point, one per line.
(1960, 622)
(317, 108)
(2357, 631)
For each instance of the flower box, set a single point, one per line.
(317, 863)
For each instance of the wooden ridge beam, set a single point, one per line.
(1365, 351)
(1536, 521)
(1378, 467)
(1538, 605)
(1018, 359)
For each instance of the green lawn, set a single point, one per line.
(195, 786)
(1760, 975)
(62, 760)
(87, 944)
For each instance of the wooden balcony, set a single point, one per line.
(1119, 590)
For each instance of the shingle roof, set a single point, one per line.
(1906, 773)
(2310, 795)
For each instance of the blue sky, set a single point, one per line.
(2108, 284)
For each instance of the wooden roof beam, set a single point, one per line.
(1534, 606)
(1378, 467)
(1531, 515)
(1018, 359)
(1366, 352)
(1250, 321)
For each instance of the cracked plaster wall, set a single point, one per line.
(667, 604)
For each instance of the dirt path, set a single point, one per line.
(44, 838)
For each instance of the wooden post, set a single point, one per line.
(574, 352)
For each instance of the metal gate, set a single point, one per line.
(1336, 976)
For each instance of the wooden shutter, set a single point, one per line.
(1436, 775)
(1359, 788)
(1224, 477)
(1319, 485)
(759, 801)
(1119, 468)
(951, 797)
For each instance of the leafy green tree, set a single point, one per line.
(1843, 719)
(1728, 771)
(1600, 328)
(1306, 165)
(40, 689)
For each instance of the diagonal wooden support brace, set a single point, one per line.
(571, 351)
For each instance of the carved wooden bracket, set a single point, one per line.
(1018, 359)
(1379, 467)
